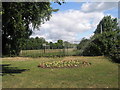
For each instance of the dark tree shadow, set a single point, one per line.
(6, 69)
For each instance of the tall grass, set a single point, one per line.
(48, 53)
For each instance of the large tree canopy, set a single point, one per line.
(16, 19)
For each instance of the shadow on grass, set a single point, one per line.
(5, 69)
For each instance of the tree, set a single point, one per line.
(67, 44)
(106, 40)
(16, 20)
(34, 43)
(114, 53)
(109, 38)
(82, 43)
(51, 45)
(60, 44)
(107, 24)
(101, 44)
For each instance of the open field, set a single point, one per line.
(47, 52)
(22, 72)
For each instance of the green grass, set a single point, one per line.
(100, 74)
(48, 53)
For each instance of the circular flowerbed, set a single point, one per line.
(63, 64)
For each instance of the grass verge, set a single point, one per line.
(22, 72)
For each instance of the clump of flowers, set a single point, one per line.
(63, 64)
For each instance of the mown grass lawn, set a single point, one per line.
(100, 74)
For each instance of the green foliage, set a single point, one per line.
(92, 50)
(107, 24)
(102, 44)
(115, 50)
(60, 44)
(82, 43)
(34, 43)
(17, 18)
(51, 45)
(106, 40)
(37, 43)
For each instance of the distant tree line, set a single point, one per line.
(105, 41)
(41, 43)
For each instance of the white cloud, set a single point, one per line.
(98, 6)
(68, 25)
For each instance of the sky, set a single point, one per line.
(75, 20)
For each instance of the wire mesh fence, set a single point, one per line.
(45, 50)
(48, 52)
